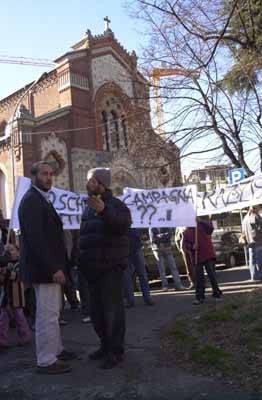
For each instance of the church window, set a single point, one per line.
(105, 127)
(3, 126)
(124, 128)
(115, 129)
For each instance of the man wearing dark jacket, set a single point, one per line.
(42, 264)
(104, 249)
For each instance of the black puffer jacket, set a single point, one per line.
(104, 238)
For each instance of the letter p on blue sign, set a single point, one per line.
(235, 175)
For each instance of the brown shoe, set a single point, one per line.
(56, 368)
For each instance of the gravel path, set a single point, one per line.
(140, 376)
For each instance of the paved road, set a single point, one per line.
(140, 376)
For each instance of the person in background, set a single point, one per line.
(69, 289)
(252, 234)
(162, 249)
(13, 301)
(80, 280)
(203, 256)
(104, 249)
(186, 256)
(3, 232)
(42, 265)
(136, 264)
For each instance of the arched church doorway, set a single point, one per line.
(3, 192)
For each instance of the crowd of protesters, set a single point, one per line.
(93, 269)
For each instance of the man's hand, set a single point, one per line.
(96, 203)
(59, 277)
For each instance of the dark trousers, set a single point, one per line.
(107, 311)
(200, 279)
(83, 293)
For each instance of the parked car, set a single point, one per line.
(228, 250)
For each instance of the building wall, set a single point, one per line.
(64, 114)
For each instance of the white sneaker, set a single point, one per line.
(86, 320)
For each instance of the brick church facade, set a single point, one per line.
(91, 110)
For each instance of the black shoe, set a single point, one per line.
(97, 355)
(67, 356)
(149, 302)
(217, 295)
(111, 361)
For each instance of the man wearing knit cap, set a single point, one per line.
(104, 250)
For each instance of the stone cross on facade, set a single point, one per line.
(107, 22)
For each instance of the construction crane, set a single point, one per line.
(158, 73)
(37, 62)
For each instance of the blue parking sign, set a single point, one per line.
(235, 175)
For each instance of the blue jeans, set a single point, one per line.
(166, 256)
(200, 279)
(255, 262)
(137, 265)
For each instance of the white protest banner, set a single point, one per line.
(22, 185)
(166, 207)
(245, 193)
(68, 205)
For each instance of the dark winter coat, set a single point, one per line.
(205, 249)
(104, 238)
(42, 251)
(160, 238)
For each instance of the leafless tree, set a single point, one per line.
(201, 115)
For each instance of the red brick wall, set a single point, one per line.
(46, 100)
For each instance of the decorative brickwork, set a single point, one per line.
(91, 110)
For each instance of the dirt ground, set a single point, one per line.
(140, 376)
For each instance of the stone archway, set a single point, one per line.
(3, 193)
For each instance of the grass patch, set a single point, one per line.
(217, 316)
(220, 340)
(210, 355)
(180, 334)
(257, 329)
